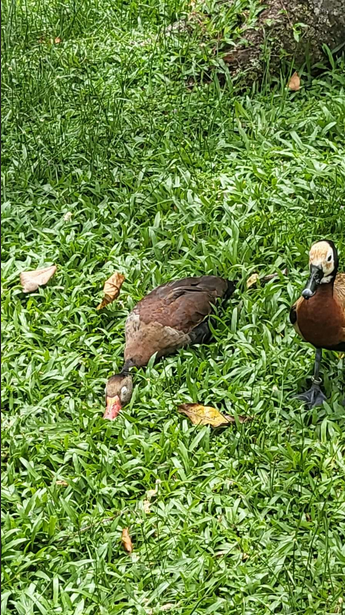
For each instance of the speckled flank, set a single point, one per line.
(144, 340)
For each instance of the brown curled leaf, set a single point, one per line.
(111, 289)
(31, 280)
(295, 83)
(126, 540)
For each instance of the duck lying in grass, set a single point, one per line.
(319, 314)
(169, 317)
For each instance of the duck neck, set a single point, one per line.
(326, 289)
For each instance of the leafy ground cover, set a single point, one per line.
(164, 175)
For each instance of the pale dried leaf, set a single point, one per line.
(207, 415)
(111, 289)
(126, 540)
(31, 280)
(255, 278)
(295, 83)
(252, 280)
(151, 493)
(57, 40)
(147, 506)
(167, 606)
(67, 216)
(62, 483)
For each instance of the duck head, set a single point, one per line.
(118, 393)
(323, 265)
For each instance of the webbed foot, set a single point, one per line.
(313, 397)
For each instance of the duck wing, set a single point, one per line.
(183, 304)
(339, 289)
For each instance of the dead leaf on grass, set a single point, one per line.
(126, 540)
(111, 289)
(31, 280)
(57, 40)
(252, 280)
(67, 216)
(62, 483)
(207, 415)
(295, 83)
(151, 493)
(147, 506)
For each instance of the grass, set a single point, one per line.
(166, 173)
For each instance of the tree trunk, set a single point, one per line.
(294, 30)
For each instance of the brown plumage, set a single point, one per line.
(171, 316)
(320, 320)
(319, 314)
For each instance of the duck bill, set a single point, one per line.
(316, 275)
(113, 408)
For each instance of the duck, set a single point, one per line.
(173, 315)
(318, 316)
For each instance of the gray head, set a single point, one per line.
(118, 393)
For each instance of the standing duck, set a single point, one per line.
(319, 314)
(171, 316)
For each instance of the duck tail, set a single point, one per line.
(230, 289)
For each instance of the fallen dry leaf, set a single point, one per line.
(111, 289)
(295, 83)
(126, 540)
(62, 483)
(67, 216)
(255, 278)
(252, 280)
(57, 40)
(31, 280)
(147, 506)
(206, 415)
(151, 493)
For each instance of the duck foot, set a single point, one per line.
(313, 397)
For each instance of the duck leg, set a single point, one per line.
(314, 396)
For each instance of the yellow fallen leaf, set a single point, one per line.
(295, 83)
(207, 415)
(111, 289)
(31, 280)
(126, 540)
(252, 280)
(57, 40)
(62, 483)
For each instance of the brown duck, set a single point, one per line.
(319, 314)
(171, 316)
